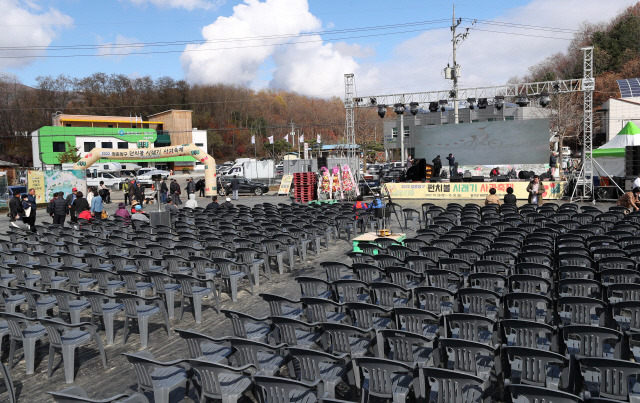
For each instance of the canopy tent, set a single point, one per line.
(611, 155)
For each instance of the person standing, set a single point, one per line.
(132, 191)
(125, 191)
(163, 191)
(437, 166)
(553, 164)
(535, 190)
(200, 185)
(16, 211)
(71, 198)
(452, 164)
(235, 187)
(60, 210)
(96, 207)
(190, 188)
(408, 164)
(174, 188)
(31, 207)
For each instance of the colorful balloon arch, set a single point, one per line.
(153, 153)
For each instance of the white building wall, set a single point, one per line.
(619, 114)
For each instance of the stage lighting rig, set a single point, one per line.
(443, 104)
(373, 101)
(382, 110)
(498, 102)
(433, 107)
(522, 101)
(482, 103)
(413, 108)
(398, 109)
(472, 103)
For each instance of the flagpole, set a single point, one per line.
(255, 153)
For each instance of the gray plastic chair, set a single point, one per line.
(406, 347)
(266, 358)
(26, 331)
(524, 333)
(220, 382)
(157, 376)
(195, 292)
(141, 309)
(592, 341)
(537, 367)
(8, 383)
(270, 389)
(609, 378)
(439, 385)
(533, 394)
(76, 394)
(70, 303)
(294, 332)
(369, 316)
(68, 337)
(282, 306)
(248, 327)
(323, 310)
(311, 365)
(39, 302)
(230, 276)
(107, 282)
(312, 287)
(103, 308)
(384, 378)
(203, 347)
(166, 288)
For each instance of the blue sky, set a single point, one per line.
(299, 45)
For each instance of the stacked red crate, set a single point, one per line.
(305, 186)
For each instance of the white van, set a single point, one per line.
(111, 179)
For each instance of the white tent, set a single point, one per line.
(611, 155)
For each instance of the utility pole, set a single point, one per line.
(455, 65)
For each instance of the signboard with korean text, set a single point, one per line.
(285, 185)
(446, 190)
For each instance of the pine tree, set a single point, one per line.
(69, 155)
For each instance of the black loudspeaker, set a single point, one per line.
(524, 175)
(322, 162)
(632, 160)
(433, 180)
(477, 179)
(501, 178)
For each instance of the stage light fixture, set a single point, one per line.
(373, 101)
(556, 87)
(413, 108)
(452, 94)
(482, 103)
(433, 107)
(472, 103)
(498, 102)
(398, 109)
(382, 110)
(443, 104)
(357, 100)
(522, 101)
(545, 99)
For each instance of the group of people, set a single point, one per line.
(535, 190)
(437, 165)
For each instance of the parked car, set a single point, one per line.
(394, 175)
(246, 187)
(369, 185)
(145, 175)
(279, 169)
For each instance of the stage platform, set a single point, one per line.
(470, 190)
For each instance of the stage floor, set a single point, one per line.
(470, 190)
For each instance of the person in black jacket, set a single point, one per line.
(60, 210)
(235, 187)
(16, 212)
(214, 204)
(452, 164)
(200, 187)
(81, 204)
(29, 204)
(437, 166)
(510, 198)
(73, 213)
(174, 188)
(163, 191)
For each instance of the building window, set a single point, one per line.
(509, 118)
(394, 132)
(89, 145)
(406, 131)
(68, 125)
(109, 125)
(58, 147)
(107, 144)
(123, 145)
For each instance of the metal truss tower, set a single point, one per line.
(584, 184)
(350, 122)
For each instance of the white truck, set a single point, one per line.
(251, 169)
(108, 172)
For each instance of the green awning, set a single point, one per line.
(629, 129)
(163, 139)
(608, 152)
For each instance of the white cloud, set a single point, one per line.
(303, 64)
(27, 31)
(186, 4)
(122, 46)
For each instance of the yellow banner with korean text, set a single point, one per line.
(470, 190)
(285, 185)
(36, 181)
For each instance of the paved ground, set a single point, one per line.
(119, 376)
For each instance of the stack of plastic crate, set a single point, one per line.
(304, 186)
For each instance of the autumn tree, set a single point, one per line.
(70, 154)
